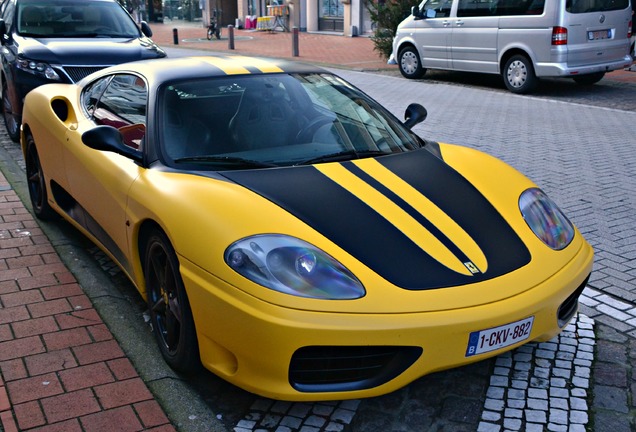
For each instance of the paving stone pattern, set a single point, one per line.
(61, 367)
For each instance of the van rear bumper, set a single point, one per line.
(563, 70)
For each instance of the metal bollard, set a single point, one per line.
(175, 36)
(230, 37)
(295, 42)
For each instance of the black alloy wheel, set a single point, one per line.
(36, 182)
(11, 120)
(170, 312)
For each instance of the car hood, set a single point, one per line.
(89, 51)
(411, 218)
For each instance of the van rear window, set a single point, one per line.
(584, 6)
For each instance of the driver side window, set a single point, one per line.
(120, 102)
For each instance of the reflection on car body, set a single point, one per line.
(292, 235)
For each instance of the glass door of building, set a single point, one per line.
(330, 15)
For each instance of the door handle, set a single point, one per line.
(445, 23)
(459, 23)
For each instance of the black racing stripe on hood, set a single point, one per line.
(407, 208)
(350, 223)
(460, 200)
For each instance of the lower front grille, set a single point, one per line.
(348, 368)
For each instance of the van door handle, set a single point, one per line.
(459, 23)
(445, 23)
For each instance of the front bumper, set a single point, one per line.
(252, 343)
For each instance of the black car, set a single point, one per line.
(49, 41)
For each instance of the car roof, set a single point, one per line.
(161, 70)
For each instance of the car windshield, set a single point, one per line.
(74, 19)
(266, 120)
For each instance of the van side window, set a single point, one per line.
(442, 8)
(475, 8)
(510, 7)
(584, 6)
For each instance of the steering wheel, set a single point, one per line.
(308, 131)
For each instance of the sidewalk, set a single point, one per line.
(333, 50)
(62, 370)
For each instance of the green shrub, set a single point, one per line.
(386, 15)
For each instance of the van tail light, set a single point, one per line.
(629, 29)
(559, 36)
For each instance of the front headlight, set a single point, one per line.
(545, 219)
(292, 266)
(38, 68)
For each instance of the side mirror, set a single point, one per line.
(145, 29)
(416, 12)
(414, 114)
(107, 138)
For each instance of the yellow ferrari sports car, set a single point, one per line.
(290, 234)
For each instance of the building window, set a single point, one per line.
(330, 15)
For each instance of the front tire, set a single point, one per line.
(518, 75)
(170, 312)
(589, 79)
(410, 63)
(11, 119)
(36, 182)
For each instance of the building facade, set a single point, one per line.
(346, 17)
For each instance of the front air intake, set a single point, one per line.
(348, 368)
(570, 305)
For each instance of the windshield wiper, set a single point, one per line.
(226, 160)
(343, 156)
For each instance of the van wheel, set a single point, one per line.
(410, 63)
(518, 75)
(589, 79)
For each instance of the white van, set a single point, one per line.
(522, 40)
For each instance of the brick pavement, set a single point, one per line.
(350, 52)
(62, 370)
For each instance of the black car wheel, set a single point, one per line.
(589, 79)
(36, 182)
(410, 63)
(170, 312)
(518, 75)
(11, 120)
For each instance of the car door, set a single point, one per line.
(100, 180)
(433, 34)
(474, 36)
